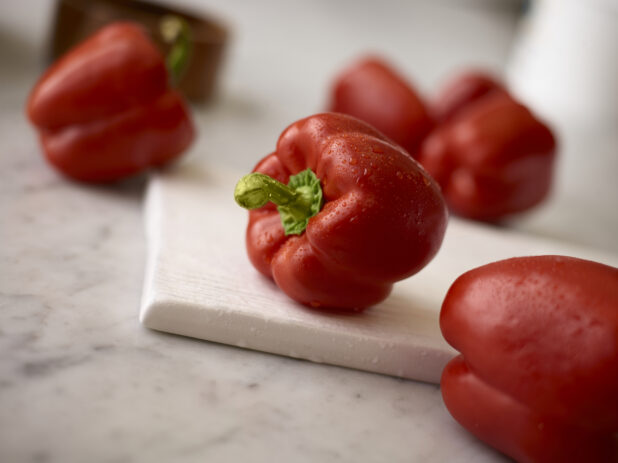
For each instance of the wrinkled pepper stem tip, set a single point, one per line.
(255, 190)
(297, 201)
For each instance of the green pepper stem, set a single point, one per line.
(255, 190)
(297, 202)
(176, 32)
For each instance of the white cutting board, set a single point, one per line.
(199, 283)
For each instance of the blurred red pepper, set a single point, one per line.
(374, 92)
(356, 215)
(538, 374)
(492, 156)
(105, 110)
(465, 89)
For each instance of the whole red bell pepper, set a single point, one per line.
(538, 374)
(492, 158)
(355, 213)
(374, 92)
(105, 110)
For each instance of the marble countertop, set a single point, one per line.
(82, 380)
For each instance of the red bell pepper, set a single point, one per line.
(105, 110)
(459, 93)
(356, 215)
(493, 158)
(374, 92)
(538, 374)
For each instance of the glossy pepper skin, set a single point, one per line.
(382, 220)
(105, 110)
(492, 157)
(371, 90)
(537, 377)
